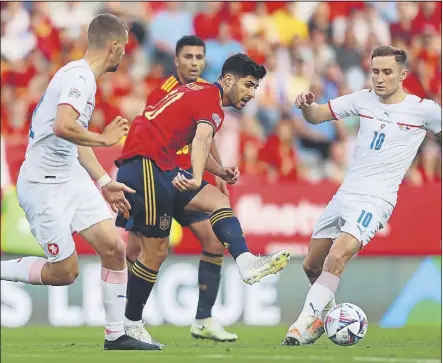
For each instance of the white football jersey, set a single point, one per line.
(387, 141)
(50, 159)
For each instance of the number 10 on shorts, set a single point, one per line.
(365, 218)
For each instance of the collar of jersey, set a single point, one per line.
(220, 88)
(177, 78)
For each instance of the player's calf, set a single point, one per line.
(104, 239)
(141, 282)
(312, 272)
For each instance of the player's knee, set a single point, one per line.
(66, 277)
(132, 251)
(213, 245)
(155, 258)
(154, 253)
(220, 202)
(311, 270)
(161, 254)
(72, 276)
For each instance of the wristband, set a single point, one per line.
(104, 180)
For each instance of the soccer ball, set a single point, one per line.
(346, 324)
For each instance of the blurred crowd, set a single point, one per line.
(324, 47)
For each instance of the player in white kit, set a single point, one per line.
(393, 124)
(55, 189)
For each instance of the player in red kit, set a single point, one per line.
(190, 115)
(190, 61)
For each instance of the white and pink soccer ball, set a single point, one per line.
(346, 324)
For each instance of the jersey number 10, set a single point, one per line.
(163, 104)
(377, 141)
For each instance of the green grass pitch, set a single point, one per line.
(38, 344)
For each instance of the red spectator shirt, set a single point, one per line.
(282, 160)
(168, 126)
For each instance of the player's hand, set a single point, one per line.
(182, 183)
(114, 132)
(222, 186)
(113, 193)
(230, 174)
(304, 100)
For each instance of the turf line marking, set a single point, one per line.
(264, 357)
(396, 360)
(318, 358)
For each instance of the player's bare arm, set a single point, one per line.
(113, 192)
(67, 127)
(313, 112)
(201, 145)
(219, 182)
(227, 174)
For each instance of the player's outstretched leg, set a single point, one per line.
(228, 231)
(142, 279)
(209, 277)
(114, 276)
(39, 271)
(313, 266)
(324, 288)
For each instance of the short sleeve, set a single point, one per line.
(346, 105)
(432, 117)
(208, 110)
(77, 93)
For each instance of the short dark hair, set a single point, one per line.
(105, 27)
(189, 40)
(400, 55)
(241, 65)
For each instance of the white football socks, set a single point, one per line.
(25, 269)
(328, 306)
(319, 296)
(113, 288)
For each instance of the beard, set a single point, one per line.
(233, 97)
(112, 68)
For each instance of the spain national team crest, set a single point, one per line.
(165, 222)
(53, 249)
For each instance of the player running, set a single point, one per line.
(191, 114)
(190, 60)
(56, 192)
(393, 124)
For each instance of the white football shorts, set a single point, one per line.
(359, 215)
(56, 211)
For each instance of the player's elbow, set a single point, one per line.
(60, 130)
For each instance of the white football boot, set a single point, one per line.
(213, 331)
(138, 331)
(261, 266)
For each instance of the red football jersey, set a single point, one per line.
(162, 130)
(183, 156)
